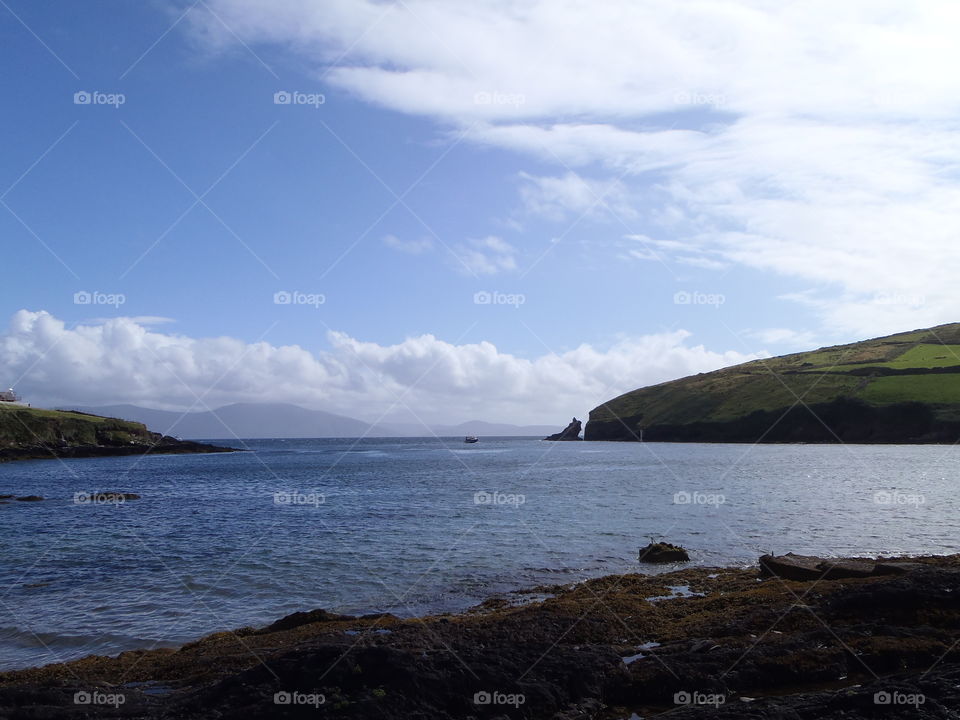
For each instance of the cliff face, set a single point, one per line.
(902, 388)
(27, 433)
(570, 432)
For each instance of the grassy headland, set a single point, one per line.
(901, 388)
(33, 433)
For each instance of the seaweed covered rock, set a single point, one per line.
(661, 552)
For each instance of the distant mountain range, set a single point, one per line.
(279, 420)
(476, 427)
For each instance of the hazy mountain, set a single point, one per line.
(243, 420)
(480, 428)
(278, 420)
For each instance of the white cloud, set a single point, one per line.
(138, 319)
(122, 361)
(644, 247)
(412, 247)
(803, 340)
(571, 196)
(813, 140)
(486, 256)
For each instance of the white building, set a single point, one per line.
(9, 396)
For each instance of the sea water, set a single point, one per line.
(416, 525)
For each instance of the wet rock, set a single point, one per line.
(833, 569)
(791, 567)
(896, 568)
(30, 498)
(662, 552)
(298, 619)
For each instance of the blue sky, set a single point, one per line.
(436, 169)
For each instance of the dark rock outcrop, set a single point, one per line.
(161, 445)
(845, 420)
(661, 552)
(298, 619)
(570, 432)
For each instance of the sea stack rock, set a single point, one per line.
(570, 432)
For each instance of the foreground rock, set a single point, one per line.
(661, 552)
(570, 432)
(806, 567)
(853, 648)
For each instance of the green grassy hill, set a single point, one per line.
(901, 388)
(20, 425)
(27, 433)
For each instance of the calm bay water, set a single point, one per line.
(223, 541)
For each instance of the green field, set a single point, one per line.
(932, 389)
(924, 355)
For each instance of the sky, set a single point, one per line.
(505, 210)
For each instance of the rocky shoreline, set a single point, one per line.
(861, 641)
(163, 446)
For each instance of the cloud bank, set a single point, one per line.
(122, 360)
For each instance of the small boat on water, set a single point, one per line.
(471, 439)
